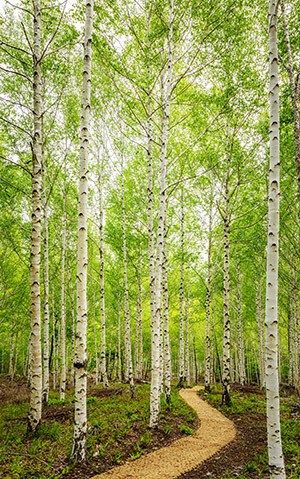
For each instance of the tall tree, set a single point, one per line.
(80, 361)
(276, 462)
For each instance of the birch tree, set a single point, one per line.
(80, 361)
(276, 462)
(35, 411)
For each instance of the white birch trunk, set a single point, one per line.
(80, 362)
(167, 347)
(260, 332)
(35, 411)
(73, 329)
(103, 369)
(12, 346)
(187, 334)
(226, 334)
(119, 342)
(207, 373)
(63, 375)
(181, 313)
(127, 329)
(95, 339)
(155, 326)
(54, 379)
(45, 393)
(276, 462)
(241, 351)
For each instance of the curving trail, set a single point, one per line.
(183, 455)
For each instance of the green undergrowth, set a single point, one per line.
(254, 406)
(117, 430)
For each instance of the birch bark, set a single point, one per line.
(127, 329)
(54, 343)
(95, 338)
(35, 411)
(63, 375)
(226, 333)
(103, 369)
(119, 342)
(155, 326)
(80, 362)
(260, 332)
(187, 333)
(276, 462)
(167, 347)
(181, 294)
(207, 374)
(45, 392)
(241, 349)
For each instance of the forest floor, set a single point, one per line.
(117, 430)
(168, 462)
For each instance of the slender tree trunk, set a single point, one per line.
(226, 334)
(140, 324)
(167, 347)
(95, 338)
(260, 332)
(35, 411)
(16, 353)
(127, 329)
(119, 342)
(155, 326)
(12, 347)
(181, 294)
(80, 362)
(195, 360)
(45, 392)
(54, 343)
(103, 369)
(207, 374)
(73, 328)
(276, 463)
(63, 375)
(241, 349)
(187, 333)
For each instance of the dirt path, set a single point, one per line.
(185, 454)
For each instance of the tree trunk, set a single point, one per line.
(45, 393)
(63, 375)
(80, 362)
(12, 348)
(127, 329)
(207, 373)
(226, 334)
(73, 328)
(167, 347)
(187, 334)
(260, 332)
(181, 294)
(155, 324)
(276, 463)
(103, 369)
(241, 351)
(119, 342)
(35, 411)
(95, 339)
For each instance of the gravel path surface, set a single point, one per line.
(183, 455)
